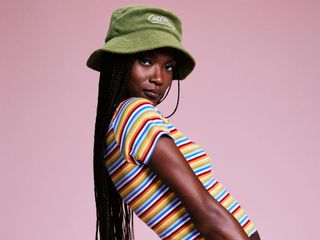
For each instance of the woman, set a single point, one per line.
(152, 169)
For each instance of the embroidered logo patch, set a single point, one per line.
(161, 20)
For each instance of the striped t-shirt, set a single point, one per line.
(133, 132)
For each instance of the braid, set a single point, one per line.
(114, 217)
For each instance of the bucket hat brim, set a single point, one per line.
(145, 40)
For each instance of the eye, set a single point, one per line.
(170, 66)
(144, 60)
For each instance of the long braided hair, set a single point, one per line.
(114, 217)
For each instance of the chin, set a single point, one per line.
(155, 102)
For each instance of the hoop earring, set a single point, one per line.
(176, 107)
(165, 95)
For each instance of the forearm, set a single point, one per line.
(212, 220)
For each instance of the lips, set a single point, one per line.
(153, 94)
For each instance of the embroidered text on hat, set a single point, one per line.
(161, 20)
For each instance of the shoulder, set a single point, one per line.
(135, 108)
(137, 125)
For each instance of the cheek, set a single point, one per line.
(131, 86)
(137, 76)
(134, 81)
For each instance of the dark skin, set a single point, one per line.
(255, 236)
(151, 75)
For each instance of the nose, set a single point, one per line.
(156, 76)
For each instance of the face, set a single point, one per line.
(151, 74)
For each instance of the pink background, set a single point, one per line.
(252, 103)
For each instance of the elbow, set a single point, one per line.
(217, 224)
(212, 226)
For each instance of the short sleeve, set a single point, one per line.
(138, 125)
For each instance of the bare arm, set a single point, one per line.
(210, 217)
(255, 236)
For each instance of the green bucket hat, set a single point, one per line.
(136, 29)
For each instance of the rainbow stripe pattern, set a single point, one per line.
(132, 135)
